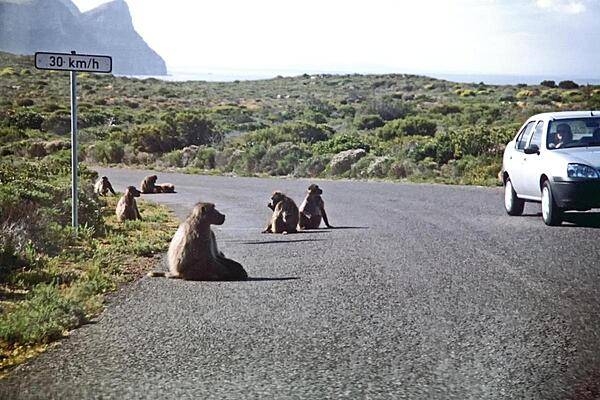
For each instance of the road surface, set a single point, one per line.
(422, 292)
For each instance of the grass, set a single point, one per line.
(42, 303)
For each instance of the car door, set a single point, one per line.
(531, 163)
(516, 158)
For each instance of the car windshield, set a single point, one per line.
(575, 132)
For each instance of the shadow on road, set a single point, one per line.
(349, 227)
(261, 279)
(282, 241)
(587, 219)
(576, 219)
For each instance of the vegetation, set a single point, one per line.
(425, 129)
(53, 278)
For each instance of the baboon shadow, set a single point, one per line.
(281, 241)
(263, 279)
(348, 227)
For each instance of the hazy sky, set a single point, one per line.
(523, 37)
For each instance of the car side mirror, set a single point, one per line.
(532, 149)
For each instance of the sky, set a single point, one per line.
(507, 37)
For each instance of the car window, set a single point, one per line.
(524, 136)
(536, 138)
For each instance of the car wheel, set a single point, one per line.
(551, 214)
(512, 204)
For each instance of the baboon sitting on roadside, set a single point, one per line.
(285, 214)
(193, 253)
(148, 184)
(312, 209)
(103, 186)
(127, 207)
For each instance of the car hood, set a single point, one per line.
(584, 155)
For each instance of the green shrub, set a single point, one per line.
(25, 119)
(106, 152)
(282, 158)
(45, 316)
(368, 122)
(340, 143)
(25, 102)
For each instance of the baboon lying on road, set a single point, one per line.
(148, 184)
(193, 253)
(127, 207)
(103, 186)
(164, 188)
(285, 214)
(312, 209)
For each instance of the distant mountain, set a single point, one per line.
(27, 26)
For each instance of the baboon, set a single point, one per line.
(103, 186)
(148, 184)
(312, 209)
(193, 253)
(127, 207)
(164, 188)
(285, 214)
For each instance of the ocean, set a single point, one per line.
(231, 75)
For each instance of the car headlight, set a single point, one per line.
(581, 171)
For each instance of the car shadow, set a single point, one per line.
(582, 219)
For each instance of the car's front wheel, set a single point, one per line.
(551, 214)
(512, 204)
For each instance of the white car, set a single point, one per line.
(554, 159)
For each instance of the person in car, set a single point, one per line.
(563, 135)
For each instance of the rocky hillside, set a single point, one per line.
(27, 26)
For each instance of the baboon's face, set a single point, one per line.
(153, 178)
(208, 213)
(275, 198)
(132, 191)
(104, 179)
(314, 189)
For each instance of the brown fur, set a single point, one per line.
(312, 209)
(285, 214)
(148, 184)
(193, 253)
(103, 186)
(164, 188)
(127, 207)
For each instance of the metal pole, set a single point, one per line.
(74, 203)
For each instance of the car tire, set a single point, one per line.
(512, 204)
(551, 214)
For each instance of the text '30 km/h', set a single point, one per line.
(73, 62)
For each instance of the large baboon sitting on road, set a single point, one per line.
(193, 253)
(127, 207)
(285, 214)
(312, 209)
(103, 186)
(148, 184)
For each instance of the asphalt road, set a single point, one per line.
(422, 292)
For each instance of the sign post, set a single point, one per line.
(73, 62)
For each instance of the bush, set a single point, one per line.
(368, 122)
(548, 83)
(106, 152)
(340, 143)
(45, 316)
(283, 158)
(25, 119)
(568, 85)
(25, 102)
